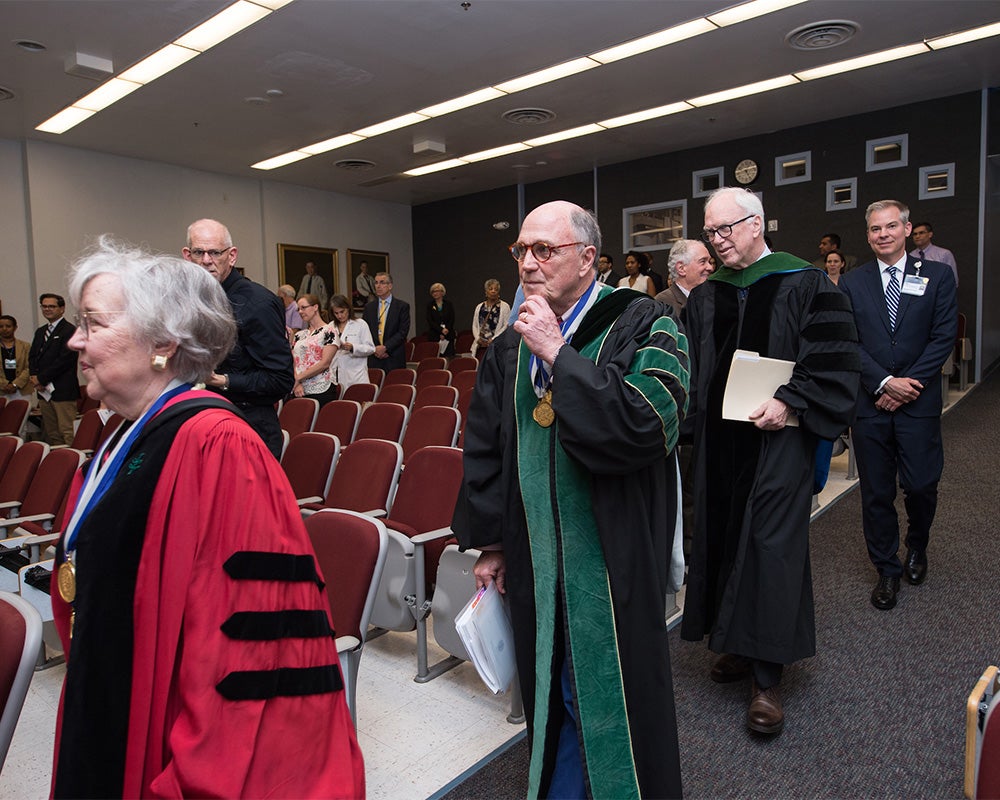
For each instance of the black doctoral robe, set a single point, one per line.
(749, 582)
(586, 569)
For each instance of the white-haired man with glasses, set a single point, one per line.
(259, 371)
(749, 584)
(586, 389)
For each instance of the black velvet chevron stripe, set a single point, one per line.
(249, 565)
(842, 362)
(831, 301)
(285, 682)
(831, 332)
(262, 626)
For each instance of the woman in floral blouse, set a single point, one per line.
(313, 351)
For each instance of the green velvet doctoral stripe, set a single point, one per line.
(561, 531)
(650, 360)
(768, 265)
(534, 476)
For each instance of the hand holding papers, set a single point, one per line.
(753, 381)
(484, 628)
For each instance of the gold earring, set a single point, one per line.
(159, 362)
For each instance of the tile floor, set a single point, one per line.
(417, 738)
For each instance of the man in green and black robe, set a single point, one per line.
(749, 584)
(586, 390)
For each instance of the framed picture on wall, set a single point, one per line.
(292, 260)
(362, 267)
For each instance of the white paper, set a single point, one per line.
(485, 630)
(752, 381)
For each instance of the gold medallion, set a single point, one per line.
(66, 579)
(543, 413)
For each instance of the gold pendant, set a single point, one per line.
(543, 413)
(66, 580)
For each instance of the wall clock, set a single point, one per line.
(746, 171)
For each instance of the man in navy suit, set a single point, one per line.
(389, 321)
(906, 313)
(52, 366)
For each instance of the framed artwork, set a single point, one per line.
(375, 262)
(292, 260)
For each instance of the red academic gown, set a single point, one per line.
(221, 492)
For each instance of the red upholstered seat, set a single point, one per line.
(365, 477)
(403, 375)
(12, 417)
(340, 418)
(382, 421)
(360, 392)
(463, 380)
(400, 393)
(436, 396)
(17, 477)
(298, 415)
(20, 639)
(376, 375)
(431, 362)
(424, 350)
(463, 364)
(309, 462)
(433, 377)
(430, 425)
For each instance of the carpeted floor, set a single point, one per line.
(879, 711)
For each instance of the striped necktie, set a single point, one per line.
(892, 296)
(48, 333)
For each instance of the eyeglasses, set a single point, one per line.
(215, 255)
(86, 321)
(542, 251)
(724, 231)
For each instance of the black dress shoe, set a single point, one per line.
(915, 568)
(884, 593)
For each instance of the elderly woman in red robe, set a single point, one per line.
(200, 655)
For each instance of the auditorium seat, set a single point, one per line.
(340, 418)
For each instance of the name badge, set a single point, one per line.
(915, 285)
(10, 363)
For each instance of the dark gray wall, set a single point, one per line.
(453, 240)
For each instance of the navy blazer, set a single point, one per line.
(925, 332)
(53, 362)
(397, 329)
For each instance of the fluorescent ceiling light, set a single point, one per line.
(438, 167)
(563, 70)
(642, 116)
(458, 103)
(861, 62)
(745, 11)
(107, 93)
(965, 36)
(743, 91)
(159, 63)
(274, 5)
(64, 120)
(496, 152)
(281, 161)
(572, 133)
(391, 125)
(226, 23)
(678, 33)
(331, 144)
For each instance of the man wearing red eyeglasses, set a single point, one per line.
(586, 389)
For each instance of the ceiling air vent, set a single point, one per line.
(5, 93)
(528, 116)
(822, 35)
(354, 164)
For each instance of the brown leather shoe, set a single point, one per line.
(765, 714)
(729, 668)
